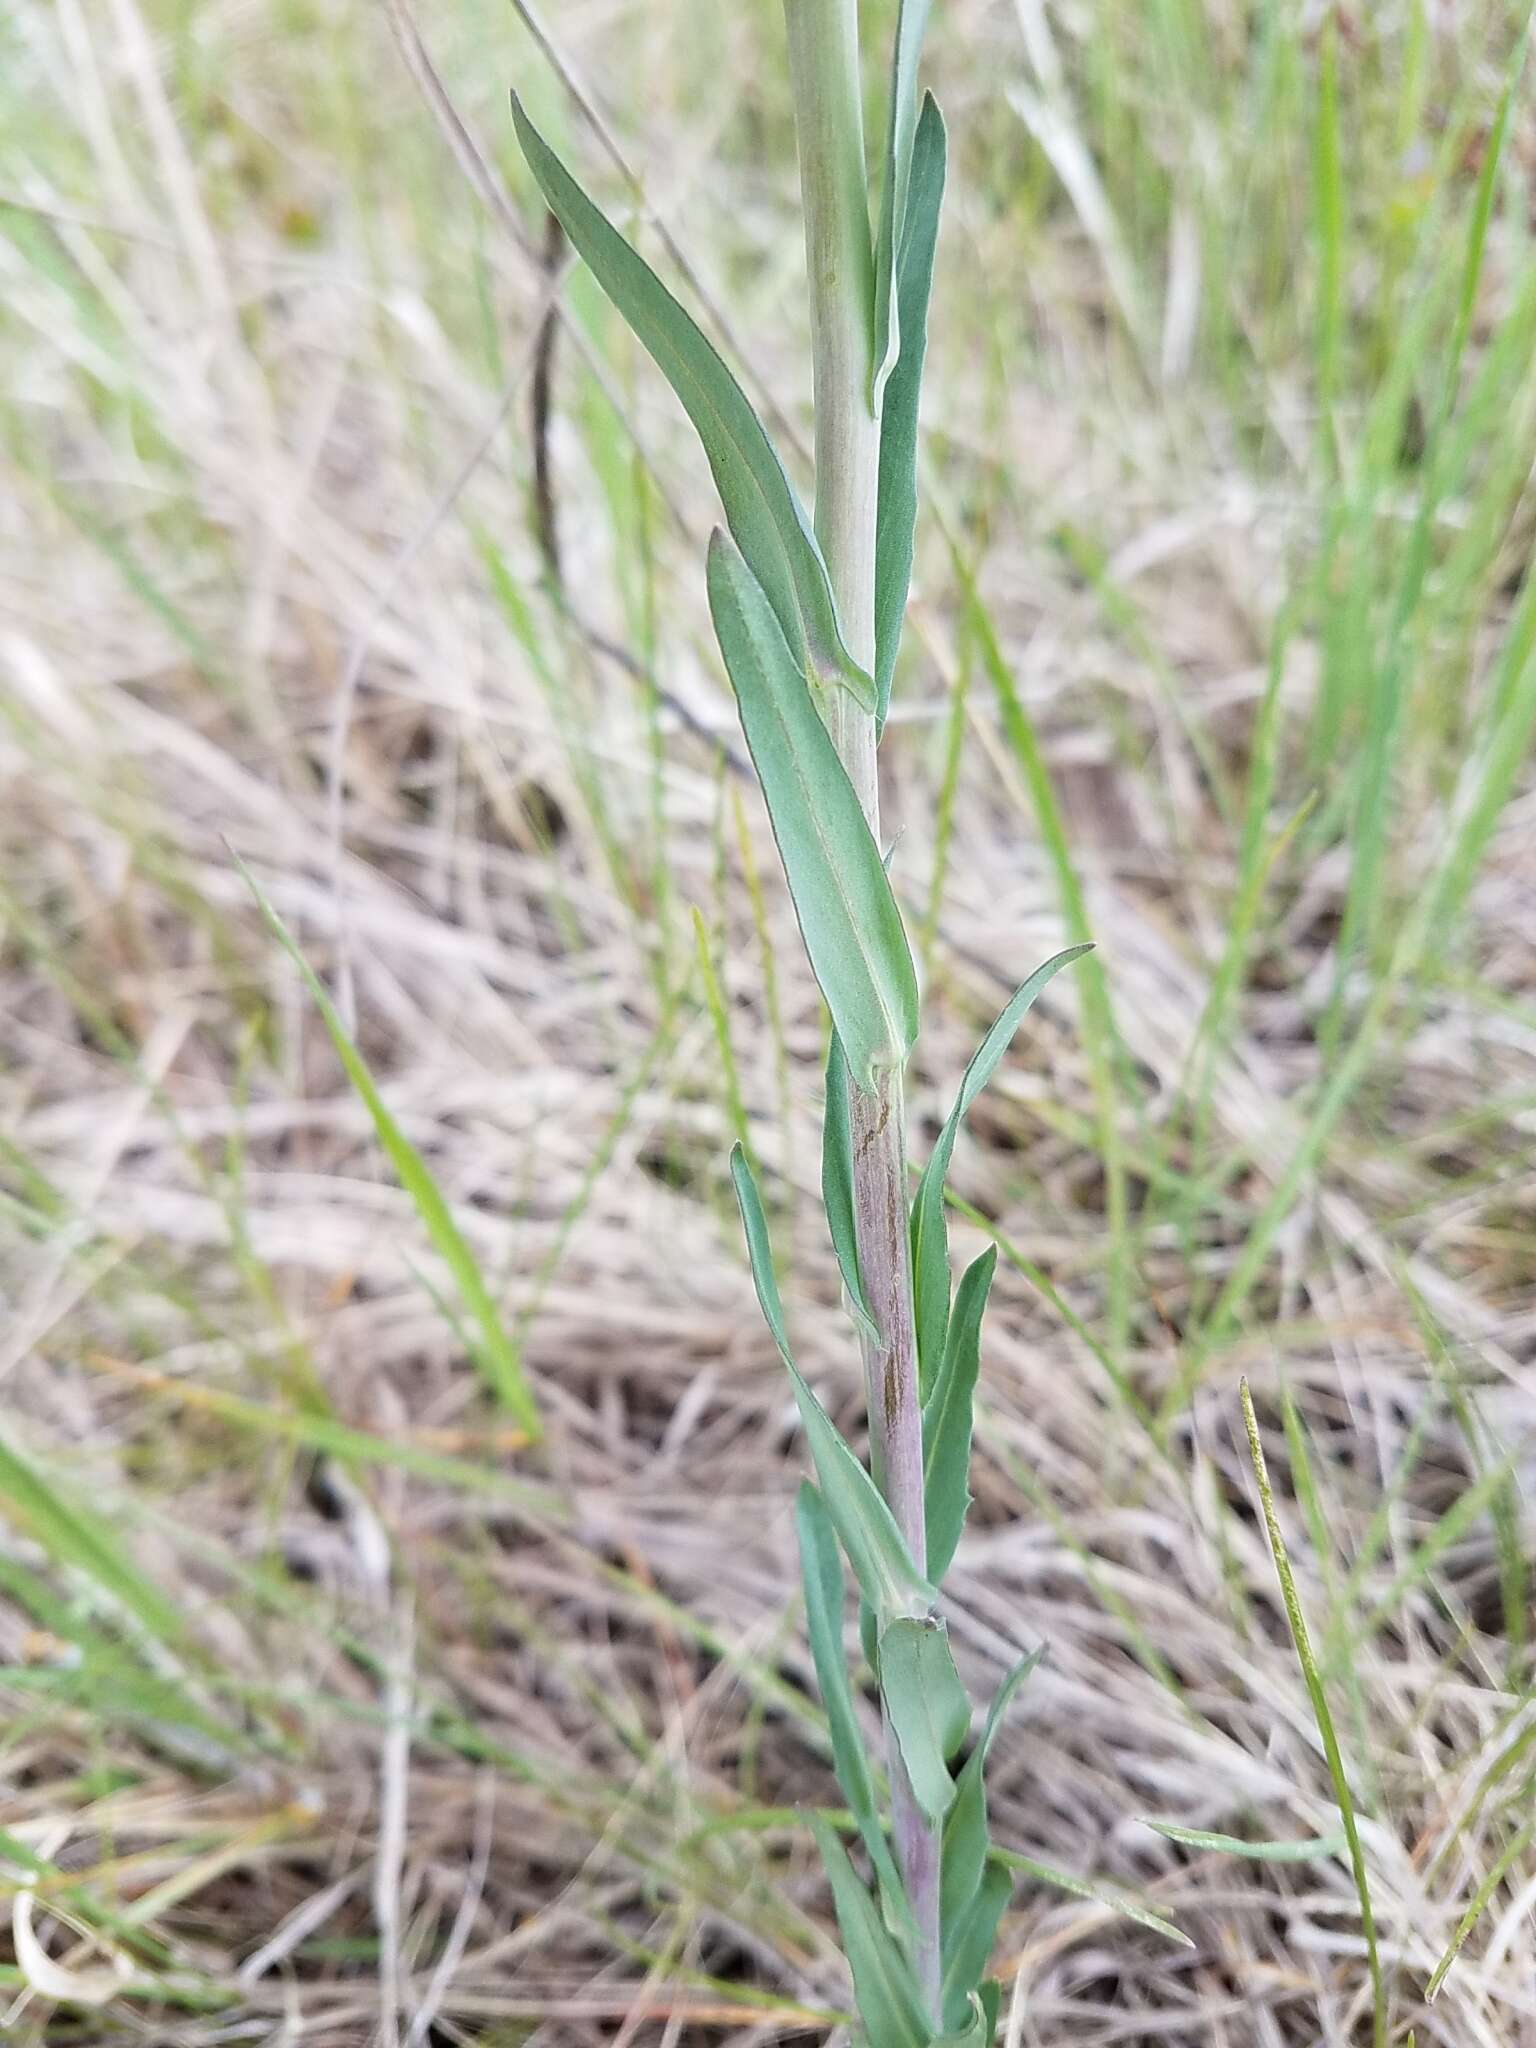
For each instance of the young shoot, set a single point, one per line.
(808, 613)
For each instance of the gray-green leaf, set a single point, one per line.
(968, 1945)
(821, 1567)
(884, 1987)
(837, 1185)
(930, 1236)
(1310, 1849)
(964, 1857)
(947, 1417)
(900, 128)
(881, 1562)
(490, 1346)
(977, 2031)
(928, 1708)
(1085, 1888)
(761, 505)
(896, 514)
(848, 916)
(991, 1996)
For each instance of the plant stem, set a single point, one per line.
(824, 76)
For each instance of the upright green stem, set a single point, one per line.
(824, 75)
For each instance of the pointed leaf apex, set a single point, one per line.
(762, 508)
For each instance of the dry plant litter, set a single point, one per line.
(336, 1711)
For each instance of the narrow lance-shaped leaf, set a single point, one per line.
(837, 1185)
(1309, 1849)
(762, 508)
(928, 1708)
(947, 1419)
(881, 1562)
(1509, 1856)
(1317, 1694)
(965, 1832)
(821, 1568)
(968, 1944)
(896, 512)
(1085, 1888)
(900, 130)
(884, 1988)
(967, 1950)
(492, 1349)
(930, 1237)
(848, 916)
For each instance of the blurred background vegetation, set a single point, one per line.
(345, 530)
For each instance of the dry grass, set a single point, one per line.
(335, 1711)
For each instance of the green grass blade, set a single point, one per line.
(714, 1000)
(947, 1419)
(1482, 212)
(1509, 1856)
(494, 1352)
(1043, 1285)
(1364, 895)
(1338, 1090)
(1100, 1034)
(896, 517)
(1083, 1888)
(106, 1678)
(1480, 1498)
(1323, 1716)
(1328, 203)
(75, 1538)
(955, 723)
(1311, 1849)
(1490, 776)
(762, 509)
(848, 916)
(319, 1432)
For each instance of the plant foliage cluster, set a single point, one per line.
(785, 650)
